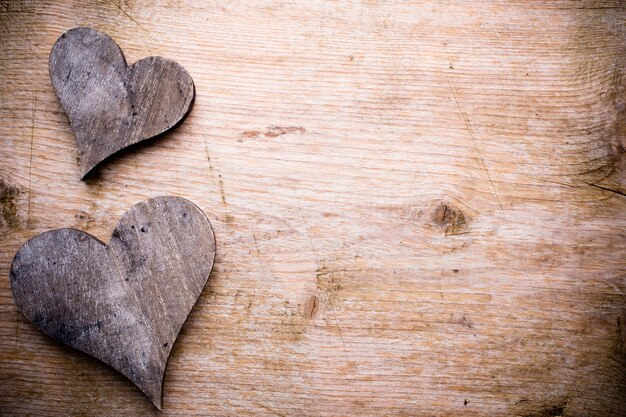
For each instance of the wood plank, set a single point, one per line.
(418, 206)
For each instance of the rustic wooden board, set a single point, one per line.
(418, 207)
(123, 302)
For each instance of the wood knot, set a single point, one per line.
(448, 218)
(9, 205)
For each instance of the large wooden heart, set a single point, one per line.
(123, 303)
(111, 105)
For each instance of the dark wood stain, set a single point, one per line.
(448, 218)
(123, 303)
(8, 205)
(111, 105)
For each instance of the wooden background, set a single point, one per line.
(419, 208)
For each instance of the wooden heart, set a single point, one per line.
(111, 105)
(123, 303)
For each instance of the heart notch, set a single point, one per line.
(111, 105)
(124, 302)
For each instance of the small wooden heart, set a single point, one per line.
(111, 105)
(123, 303)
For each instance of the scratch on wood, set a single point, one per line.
(558, 349)
(328, 291)
(220, 182)
(208, 158)
(552, 293)
(608, 189)
(30, 166)
(135, 22)
(343, 342)
(258, 253)
(306, 228)
(473, 137)
(330, 304)
(126, 14)
(270, 410)
(554, 182)
(222, 189)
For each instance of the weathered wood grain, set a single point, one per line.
(111, 105)
(327, 140)
(123, 302)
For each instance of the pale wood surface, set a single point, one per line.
(411, 203)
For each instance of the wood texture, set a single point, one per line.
(123, 302)
(111, 105)
(411, 199)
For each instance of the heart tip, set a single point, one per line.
(86, 173)
(158, 401)
(155, 394)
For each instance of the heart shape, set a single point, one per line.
(109, 104)
(123, 303)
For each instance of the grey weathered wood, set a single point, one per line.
(123, 303)
(111, 105)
